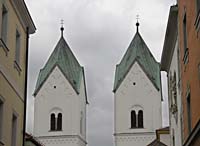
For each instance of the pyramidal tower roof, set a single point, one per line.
(138, 51)
(62, 57)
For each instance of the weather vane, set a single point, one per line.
(62, 28)
(62, 22)
(137, 17)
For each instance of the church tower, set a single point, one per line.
(61, 99)
(137, 96)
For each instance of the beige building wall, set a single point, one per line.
(12, 72)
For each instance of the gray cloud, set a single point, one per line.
(98, 32)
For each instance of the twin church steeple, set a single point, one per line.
(61, 98)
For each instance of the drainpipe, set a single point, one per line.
(26, 81)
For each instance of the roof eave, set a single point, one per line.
(117, 86)
(41, 84)
(115, 80)
(85, 89)
(24, 15)
(170, 38)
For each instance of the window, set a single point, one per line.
(189, 112)
(56, 122)
(59, 122)
(198, 6)
(81, 123)
(133, 119)
(53, 122)
(173, 137)
(4, 24)
(179, 69)
(137, 119)
(197, 21)
(14, 130)
(17, 47)
(140, 119)
(185, 58)
(1, 118)
(185, 32)
(174, 90)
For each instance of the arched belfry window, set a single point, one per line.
(59, 122)
(56, 122)
(53, 122)
(137, 117)
(133, 119)
(140, 119)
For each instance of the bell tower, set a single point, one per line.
(61, 99)
(137, 95)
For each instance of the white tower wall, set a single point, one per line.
(58, 96)
(143, 95)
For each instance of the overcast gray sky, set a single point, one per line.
(98, 32)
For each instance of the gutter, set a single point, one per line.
(26, 81)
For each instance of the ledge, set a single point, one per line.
(3, 45)
(137, 128)
(17, 67)
(1, 143)
(55, 130)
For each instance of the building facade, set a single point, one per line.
(189, 42)
(170, 62)
(15, 27)
(137, 96)
(60, 100)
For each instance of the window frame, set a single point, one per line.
(134, 122)
(51, 122)
(14, 129)
(81, 123)
(3, 41)
(133, 119)
(17, 46)
(186, 50)
(56, 122)
(140, 119)
(17, 51)
(4, 23)
(59, 122)
(189, 116)
(197, 21)
(1, 117)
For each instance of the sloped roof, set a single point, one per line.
(62, 57)
(30, 138)
(170, 38)
(138, 51)
(156, 142)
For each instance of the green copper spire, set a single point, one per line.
(138, 51)
(63, 58)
